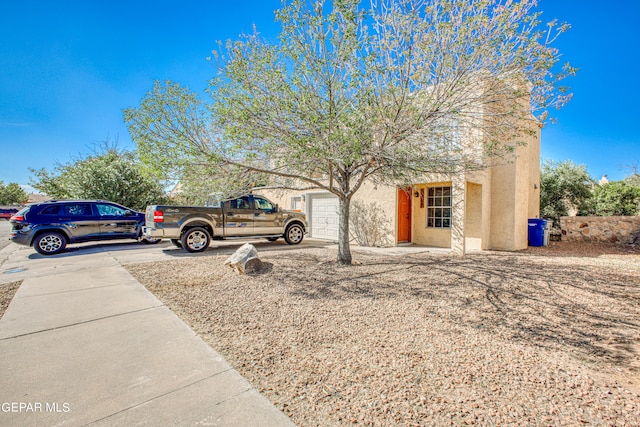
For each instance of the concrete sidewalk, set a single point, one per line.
(83, 343)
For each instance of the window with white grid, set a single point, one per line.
(439, 207)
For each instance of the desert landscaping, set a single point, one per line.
(546, 336)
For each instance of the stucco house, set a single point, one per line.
(486, 209)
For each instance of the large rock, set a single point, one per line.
(245, 259)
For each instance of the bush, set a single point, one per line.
(565, 188)
(368, 225)
(618, 198)
(110, 175)
(12, 194)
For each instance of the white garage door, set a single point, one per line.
(324, 218)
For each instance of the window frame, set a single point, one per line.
(439, 207)
(295, 200)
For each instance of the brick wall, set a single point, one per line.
(611, 229)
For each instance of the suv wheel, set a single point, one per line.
(196, 240)
(50, 243)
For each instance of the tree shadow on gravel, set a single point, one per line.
(228, 247)
(591, 312)
(267, 268)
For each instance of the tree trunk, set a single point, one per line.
(344, 251)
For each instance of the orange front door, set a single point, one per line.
(404, 214)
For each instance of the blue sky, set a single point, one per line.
(69, 68)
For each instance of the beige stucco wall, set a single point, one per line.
(421, 235)
(533, 148)
(515, 195)
(419, 219)
(502, 195)
(474, 210)
(474, 217)
(383, 196)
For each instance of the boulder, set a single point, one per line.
(245, 259)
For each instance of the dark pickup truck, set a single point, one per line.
(193, 227)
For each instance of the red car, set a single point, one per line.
(6, 213)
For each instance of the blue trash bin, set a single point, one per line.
(536, 231)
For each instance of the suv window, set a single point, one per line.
(77, 209)
(110, 210)
(50, 210)
(23, 211)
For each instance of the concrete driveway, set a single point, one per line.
(84, 343)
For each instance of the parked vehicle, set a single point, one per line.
(5, 213)
(193, 227)
(51, 225)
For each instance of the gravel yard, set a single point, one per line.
(548, 336)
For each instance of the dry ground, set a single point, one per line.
(548, 336)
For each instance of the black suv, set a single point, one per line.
(51, 225)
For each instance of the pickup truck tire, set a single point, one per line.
(176, 242)
(50, 243)
(294, 234)
(196, 239)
